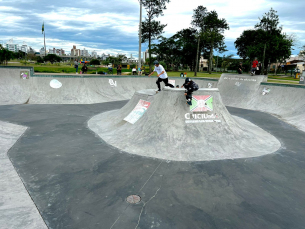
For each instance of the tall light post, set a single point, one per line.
(140, 37)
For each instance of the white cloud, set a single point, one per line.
(119, 21)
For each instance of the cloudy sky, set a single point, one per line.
(112, 26)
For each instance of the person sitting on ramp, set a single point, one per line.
(162, 75)
(190, 86)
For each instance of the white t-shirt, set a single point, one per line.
(160, 69)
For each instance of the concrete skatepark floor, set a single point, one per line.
(78, 181)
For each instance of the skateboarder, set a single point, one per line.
(190, 86)
(162, 75)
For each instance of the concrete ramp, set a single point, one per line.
(172, 130)
(75, 89)
(239, 90)
(252, 92)
(286, 101)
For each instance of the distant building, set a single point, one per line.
(24, 48)
(84, 52)
(105, 56)
(31, 50)
(11, 46)
(42, 51)
(60, 52)
(145, 55)
(74, 51)
(203, 63)
(94, 54)
(52, 51)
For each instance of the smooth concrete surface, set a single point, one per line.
(17, 209)
(79, 181)
(37, 90)
(251, 92)
(163, 133)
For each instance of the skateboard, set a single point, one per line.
(189, 102)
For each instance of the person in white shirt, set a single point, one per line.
(162, 76)
(134, 71)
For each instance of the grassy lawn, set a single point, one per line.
(282, 81)
(282, 77)
(69, 69)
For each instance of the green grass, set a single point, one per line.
(282, 81)
(69, 69)
(282, 77)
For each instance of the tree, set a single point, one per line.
(266, 41)
(39, 60)
(302, 52)
(213, 34)
(95, 62)
(198, 21)
(168, 51)
(20, 55)
(150, 28)
(52, 58)
(5, 55)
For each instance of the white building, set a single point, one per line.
(94, 54)
(84, 52)
(105, 56)
(11, 46)
(145, 55)
(42, 51)
(52, 51)
(24, 48)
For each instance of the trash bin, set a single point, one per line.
(297, 73)
(181, 74)
(302, 78)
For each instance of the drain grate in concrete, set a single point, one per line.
(133, 199)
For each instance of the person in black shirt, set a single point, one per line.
(258, 69)
(190, 86)
(240, 68)
(84, 69)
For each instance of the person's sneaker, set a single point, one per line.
(158, 91)
(251, 73)
(76, 73)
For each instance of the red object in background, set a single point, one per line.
(254, 64)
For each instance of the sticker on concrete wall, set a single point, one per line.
(173, 82)
(202, 103)
(302, 78)
(55, 84)
(201, 118)
(266, 91)
(137, 112)
(24, 75)
(240, 79)
(210, 85)
(112, 83)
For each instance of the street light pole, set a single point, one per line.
(140, 37)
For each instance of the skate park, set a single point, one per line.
(69, 159)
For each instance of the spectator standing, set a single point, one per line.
(119, 70)
(254, 66)
(76, 66)
(240, 68)
(134, 71)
